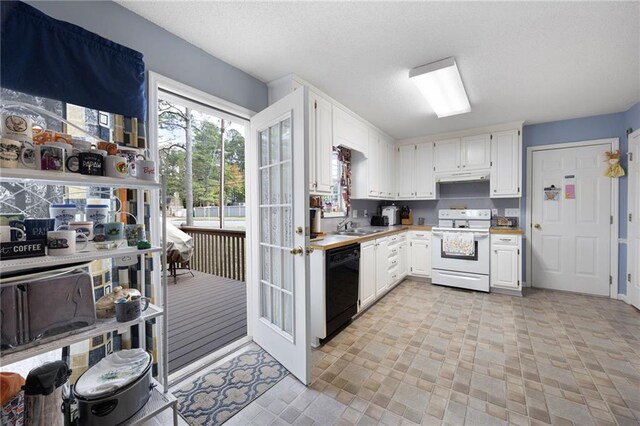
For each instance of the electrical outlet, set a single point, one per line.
(354, 213)
(366, 214)
(494, 212)
(512, 212)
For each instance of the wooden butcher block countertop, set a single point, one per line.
(331, 241)
(510, 231)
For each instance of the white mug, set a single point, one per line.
(9, 153)
(146, 170)
(17, 127)
(63, 243)
(83, 227)
(63, 213)
(5, 233)
(44, 157)
(117, 166)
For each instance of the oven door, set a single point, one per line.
(478, 263)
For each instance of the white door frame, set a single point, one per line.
(613, 261)
(631, 250)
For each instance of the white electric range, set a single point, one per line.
(460, 249)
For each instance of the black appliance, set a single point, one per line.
(379, 221)
(342, 283)
(45, 392)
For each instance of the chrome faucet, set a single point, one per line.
(344, 224)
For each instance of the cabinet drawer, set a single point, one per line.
(394, 274)
(394, 250)
(393, 262)
(504, 240)
(420, 235)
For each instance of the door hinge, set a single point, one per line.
(631, 156)
(491, 163)
(434, 144)
(518, 132)
(491, 137)
(518, 251)
(610, 280)
(611, 220)
(359, 302)
(315, 104)
(629, 277)
(518, 283)
(411, 269)
(630, 217)
(518, 190)
(415, 147)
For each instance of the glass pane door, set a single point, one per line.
(276, 227)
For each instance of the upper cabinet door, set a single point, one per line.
(312, 149)
(373, 161)
(323, 144)
(389, 184)
(406, 171)
(506, 172)
(425, 182)
(475, 152)
(348, 131)
(447, 155)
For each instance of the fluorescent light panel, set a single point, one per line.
(441, 84)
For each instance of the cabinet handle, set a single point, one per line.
(495, 190)
(464, 165)
(495, 251)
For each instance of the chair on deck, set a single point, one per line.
(179, 252)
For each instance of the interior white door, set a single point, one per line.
(571, 214)
(278, 205)
(633, 221)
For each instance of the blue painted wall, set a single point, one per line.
(582, 129)
(164, 53)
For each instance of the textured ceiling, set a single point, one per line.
(537, 62)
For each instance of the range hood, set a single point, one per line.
(476, 176)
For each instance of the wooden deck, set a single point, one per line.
(205, 313)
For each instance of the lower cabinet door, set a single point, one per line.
(504, 267)
(367, 273)
(420, 258)
(382, 266)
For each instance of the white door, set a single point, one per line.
(475, 152)
(420, 258)
(406, 171)
(367, 273)
(425, 181)
(446, 155)
(633, 221)
(504, 266)
(571, 215)
(278, 202)
(505, 164)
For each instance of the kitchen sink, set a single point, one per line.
(359, 232)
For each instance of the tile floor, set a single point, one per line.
(426, 354)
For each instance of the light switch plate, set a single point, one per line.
(494, 212)
(365, 213)
(512, 212)
(354, 213)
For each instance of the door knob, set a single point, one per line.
(296, 251)
(537, 226)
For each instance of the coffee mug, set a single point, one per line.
(80, 145)
(113, 231)
(134, 233)
(97, 213)
(14, 220)
(63, 213)
(7, 231)
(85, 228)
(68, 148)
(63, 243)
(110, 147)
(17, 127)
(145, 170)
(86, 163)
(44, 157)
(36, 229)
(130, 309)
(117, 166)
(9, 153)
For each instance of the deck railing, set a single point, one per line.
(218, 251)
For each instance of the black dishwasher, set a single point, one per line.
(342, 270)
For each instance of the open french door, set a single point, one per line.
(279, 265)
(633, 230)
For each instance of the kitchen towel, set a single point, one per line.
(458, 244)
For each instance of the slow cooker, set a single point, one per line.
(115, 389)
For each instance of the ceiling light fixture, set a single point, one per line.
(441, 84)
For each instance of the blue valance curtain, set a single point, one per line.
(46, 57)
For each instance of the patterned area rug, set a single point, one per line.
(215, 396)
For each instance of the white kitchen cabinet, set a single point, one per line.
(382, 265)
(446, 155)
(375, 155)
(320, 144)
(505, 270)
(388, 166)
(403, 260)
(373, 175)
(469, 153)
(475, 152)
(415, 176)
(367, 273)
(506, 164)
(348, 131)
(420, 254)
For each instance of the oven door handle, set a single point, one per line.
(475, 235)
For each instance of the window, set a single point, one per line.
(202, 157)
(337, 204)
